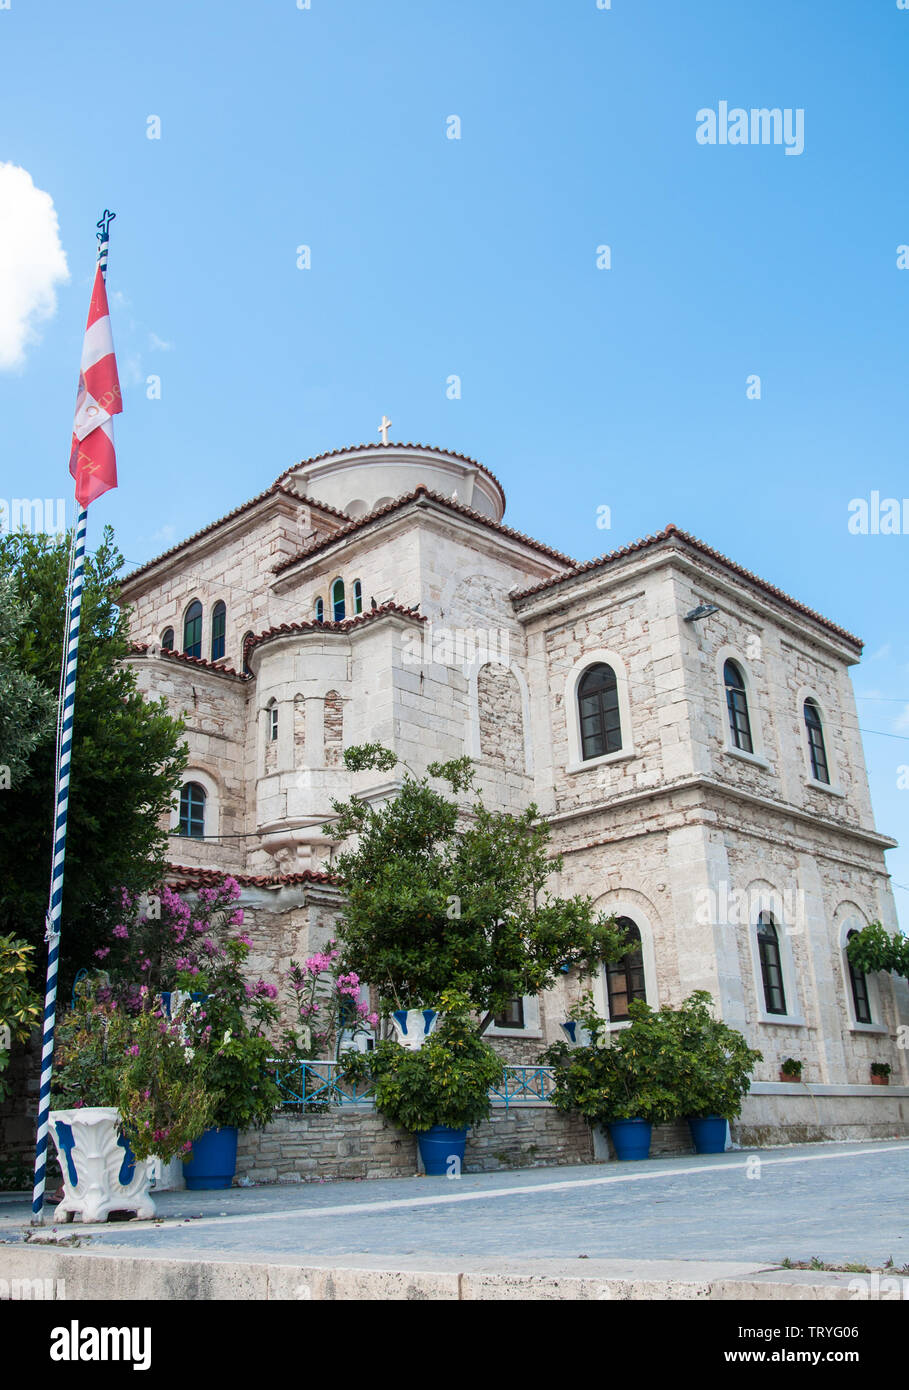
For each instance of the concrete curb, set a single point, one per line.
(101, 1277)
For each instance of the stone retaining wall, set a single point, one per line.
(351, 1143)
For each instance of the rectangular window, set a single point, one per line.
(513, 1017)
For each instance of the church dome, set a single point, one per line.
(363, 477)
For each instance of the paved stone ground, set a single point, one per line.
(842, 1202)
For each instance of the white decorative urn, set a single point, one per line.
(413, 1026)
(100, 1174)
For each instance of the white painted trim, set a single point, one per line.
(628, 903)
(834, 786)
(531, 1027)
(728, 653)
(211, 824)
(849, 917)
(789, 1088)
(576, 763)
(793, 1018)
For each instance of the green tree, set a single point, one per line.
(26, 707)
(126, 764)
(20, 1007)
(873, 948)
(439, 897)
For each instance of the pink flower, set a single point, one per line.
(372, 1020)
(121, 931)
(134, 1050)
(102, 951)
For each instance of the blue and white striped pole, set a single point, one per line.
(65, 718)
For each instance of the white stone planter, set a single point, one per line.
(93, 1160)
(413, 1026)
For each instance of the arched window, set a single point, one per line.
(192, 810)
(272, 722)
(598, 707)
(625, 978)
(246, 637)
(320, 610)
(771, 965)
(358, 596)
(737, 705)
(192, 629)
(859, 984)
(820, 770)
(337, 600)
(218, 629)
(167, 639)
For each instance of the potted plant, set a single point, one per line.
(124, 1088)
(790, 1069)
(436, 1091)
(624, 1081)
(713, 1071)
(880, 1073)
(195, 951)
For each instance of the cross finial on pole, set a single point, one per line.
(384, 428)
(104, 225)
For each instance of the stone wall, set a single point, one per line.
(349, 1143)
(353, 1143)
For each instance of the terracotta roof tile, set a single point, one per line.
(312, 625)
(426, 448)
(400, 502)
(276, 488)
(668, 533)
(142, 649)
(189, 876)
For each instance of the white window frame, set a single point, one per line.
(616, 906)
(531, 1029)
(758, 757)
(851, 919)
(834, 786)
(212, 822)
(576, 763)
(794, 1016)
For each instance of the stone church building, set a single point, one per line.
(688, 731)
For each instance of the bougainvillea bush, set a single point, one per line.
(171, 956)
(140, 1062)
(328, 1005)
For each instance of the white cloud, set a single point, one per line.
(159, 343)
(901, 723)
(32, 262)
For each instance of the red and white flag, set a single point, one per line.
(93, 462)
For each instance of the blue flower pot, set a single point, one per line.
(631, 1138)
(214, 1160)
(708, 1133)
(442, 1150)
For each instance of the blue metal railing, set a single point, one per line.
(311, 1084)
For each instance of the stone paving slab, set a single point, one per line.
(698, 1226)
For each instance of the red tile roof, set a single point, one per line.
(673, 531)
(312, 625)
(426, 448)
(275, 489)
(409, 497)
(142, 649)
(185, 877)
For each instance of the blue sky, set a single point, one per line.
(476, 257)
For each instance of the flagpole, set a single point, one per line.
(65, 719)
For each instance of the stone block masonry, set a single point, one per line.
(352, 1143)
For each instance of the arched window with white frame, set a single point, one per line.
(817, 749)
(771, 963)
(737, 707)
(625, 980)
